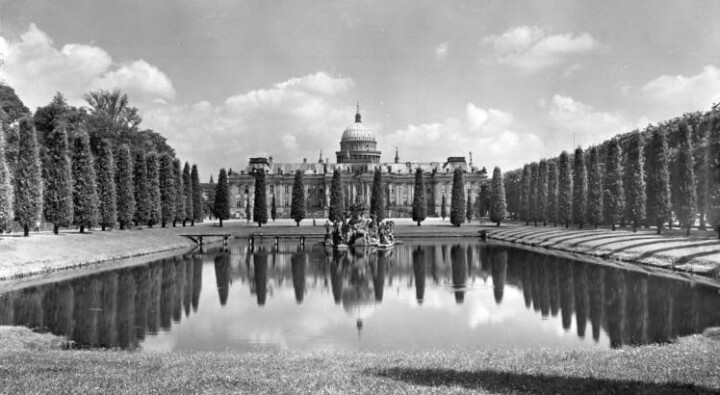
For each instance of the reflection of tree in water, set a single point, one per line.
(459, 272)
(197, 280)
(498, 270)
(188, 286)
(108, 334)
(222, 276)
(167, 293)
(179, 285)
(418, 257)
(336, 275)
(567, 293)
(527, 278)
(636, 308)
(544, 284)
(261, 270)
(297, 262)
(141, 276)
(127, 338)
(7, 309)
(554, 272)
(86, 311)
(596, 296)
(153, 311)
(379, 266)
(582, 303)
(615, 298)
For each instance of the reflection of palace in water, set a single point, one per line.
(119, 308)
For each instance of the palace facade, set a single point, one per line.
(356, 160)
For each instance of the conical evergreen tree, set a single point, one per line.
(542, 192)
(525, 194)
(57, 174)
(222, 197)
(125, 187)
(533, 196)
(167, 190)
(297, 204)
(713, 180)
(153, 182)
(469, 209)
(273, 208)
(635, 190)
(6, 188)
(686, 210)
(106, 186)
(179, 193)
(419, 202)
(457, 202)
(197, 196)
(595, 189)
(565, 190)
(703, 172)
(28, 179)
(377, 197)
(85, 197)
(260, 210)
(579, 187)
(484, 200)
(337, 198)
(187, 194)
(658, 180)
(551, 213)
(498, 206)
(142, 190)
(614, 194)
(443, 208)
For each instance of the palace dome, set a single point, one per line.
(357, 131)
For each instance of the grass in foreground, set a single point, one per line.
(688, 366)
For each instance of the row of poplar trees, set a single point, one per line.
(64, 182)
(667, 174)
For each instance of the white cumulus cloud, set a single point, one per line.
(36, 69)
(529, 49)
(676, 94)
(567, 115)
(490, 134)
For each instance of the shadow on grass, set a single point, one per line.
(511, 383)
(682, 247)
(603, 237)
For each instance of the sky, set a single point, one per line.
(510, 81)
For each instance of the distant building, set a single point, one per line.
(357, 160)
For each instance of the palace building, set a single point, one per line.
(356, 160)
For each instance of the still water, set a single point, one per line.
(422, 295)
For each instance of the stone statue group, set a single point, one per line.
(355, 228)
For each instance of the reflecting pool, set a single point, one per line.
(421, 295)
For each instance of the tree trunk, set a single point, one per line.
(102, 227)
(612, 227)
(82, 228)
(297, 223)
(56, 229)
(634, 227)
(687, 233)
(498, 224)
(162, 224)
(122, 225)
(418, 223)
(184, 222)
(26, 231)
(220, 222)
(659, 228)
(192, 222)
(259, 224)
(703, 225)
(174, 223)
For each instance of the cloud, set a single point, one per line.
(678, 94)
(36, 69)
(567, 115)
(441, 51)
(289, 120)
(488, 133)
(529, 50)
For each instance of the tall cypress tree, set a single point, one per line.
(579, 187)
(125, 187)
(6, 188)
(595, 189)
(419, 203)
(457, 202)
(703, 172)
(297, 204)
(142, 190)
(469, 209)
(260, 211)
(713, 180)
(377, 197)
(179, 193)
(658, 180)
(635, 190)
(28, 179)
(443, 208)
(484, 200)
(188, 194)
(106, 186)
(85, 198)
(273, 208)
(337, 198)
(565, 190)
(498, 206)
(525, 194)
(153, 182)
(533, 196)
(686, 210)
(614, 198)
(57, 173)
(551, 214)
(167, 190)
(542, 192)
(197, 196)
(222, 197)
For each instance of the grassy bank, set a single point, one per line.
(698, 254)
(33, 363)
